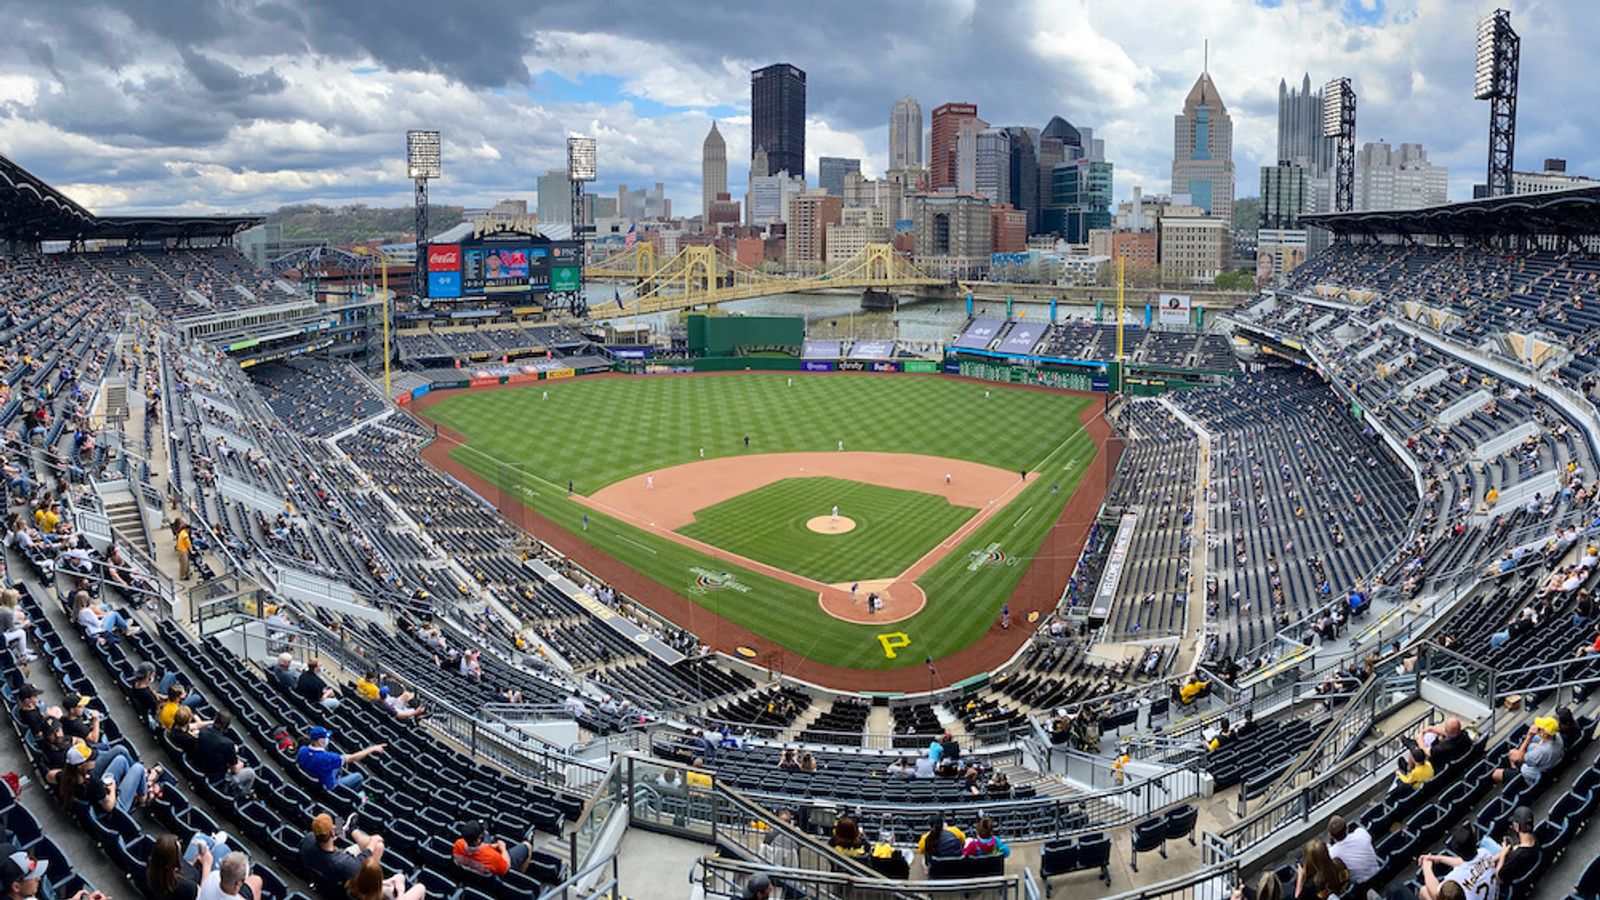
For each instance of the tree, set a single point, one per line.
(1234, 281)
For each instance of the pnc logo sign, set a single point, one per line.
(444, 257)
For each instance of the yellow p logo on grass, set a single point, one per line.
(893, 641)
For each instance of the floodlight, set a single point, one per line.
(580, 159)
(1336, 99)
(422, 154)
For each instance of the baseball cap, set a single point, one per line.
(1547, 724)
(472, 831)
(74, 700)
(51, 724)
(19, 866)
(383, 692)
(318, 733)
(27, 691)
(79, 754)
(1522, 818)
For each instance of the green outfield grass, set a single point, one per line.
(597, 431)
(894, 528)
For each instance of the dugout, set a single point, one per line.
(745, 335)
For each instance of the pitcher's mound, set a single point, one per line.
(831, 524)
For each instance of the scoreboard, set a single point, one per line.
(497, 263)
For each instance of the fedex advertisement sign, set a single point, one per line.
(444, 257)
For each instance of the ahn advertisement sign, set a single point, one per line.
(444, 284)
(444, 258)
(1174, 309)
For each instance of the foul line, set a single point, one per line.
(1021, 517)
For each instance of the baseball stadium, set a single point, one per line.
(531, 559)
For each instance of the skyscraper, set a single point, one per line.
(1398, 178)
(1022, 186)
(948, 120)
(831, 171)
(778, 117)
(713, 172)
(555, 197)
(905, 133)
(1202, 151)
(1284, 195)
(992, 166)
(1300, 139)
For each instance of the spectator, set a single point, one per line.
(369, 884)
(183, 545)
(14, 625)
(166, 877)
(177, 695)
(900, 768)
(808, 761)
(216, 756)
(367, 686)
(1318, 875)
(124, 784)
(284, 673)
(1471, 869)
(924, 767)
(1540, 751)
(315, 759)
(22, 876)
(398, 703)
(1192, 689)
(231, 880)
(1267, 888)
(985, 842)
(330, 864)
(787, 761)
(470, 666)
(1567, 727)
(314, 689)
(81, 722)
(846, 838)
(1352, 845)
(1413, 768)
(941, 840)
(184, 732)
(1445, 743)
(99, 624)
(758, 887)
(29, 712)
(1520, 854)
(474, 851)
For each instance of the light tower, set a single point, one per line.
(580, 170)
(1499, 50)
(1339, 123)
(422, 164)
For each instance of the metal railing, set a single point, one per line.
(1213, 882)
(600, 878)
(725, 878)
(1279, 819)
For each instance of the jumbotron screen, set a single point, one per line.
(502, 263)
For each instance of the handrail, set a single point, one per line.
(724, 878)
(1348, 726)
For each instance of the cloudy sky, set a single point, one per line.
(234, 105)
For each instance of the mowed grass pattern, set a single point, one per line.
(529, 447)
(597, 431)
(894, 528)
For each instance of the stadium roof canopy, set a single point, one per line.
(32, 211)
(1571, 213)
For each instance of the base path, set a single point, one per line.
(1038, 592)
(668, 498)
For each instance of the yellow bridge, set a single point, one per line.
(704, 276)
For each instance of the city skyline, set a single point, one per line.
(205, 108)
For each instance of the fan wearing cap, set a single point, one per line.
(123, 783)
(81, 722)
(1539, 752)
(330, 864)
(1520, 854)
(22, 876)
(315, 759)
(29, 712)
(758, 887)
(398, 703)
(474, 851)
(54, 744)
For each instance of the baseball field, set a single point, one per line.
(863, 522)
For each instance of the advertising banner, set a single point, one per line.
(554, 374)
(630, 352)
(885, 366)
(484, 382)
(444, 284)
(920, 365)
(1111, 575)
(444, 257)
(403, 399)
(565, 278)
(539, 268)
(1100, 384)
(521, 377)
(817, 365)
(449, 385)
(952, 367)
(1174, 309)
(852, 365)
(418, 392)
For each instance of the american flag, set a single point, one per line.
(633, 235)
